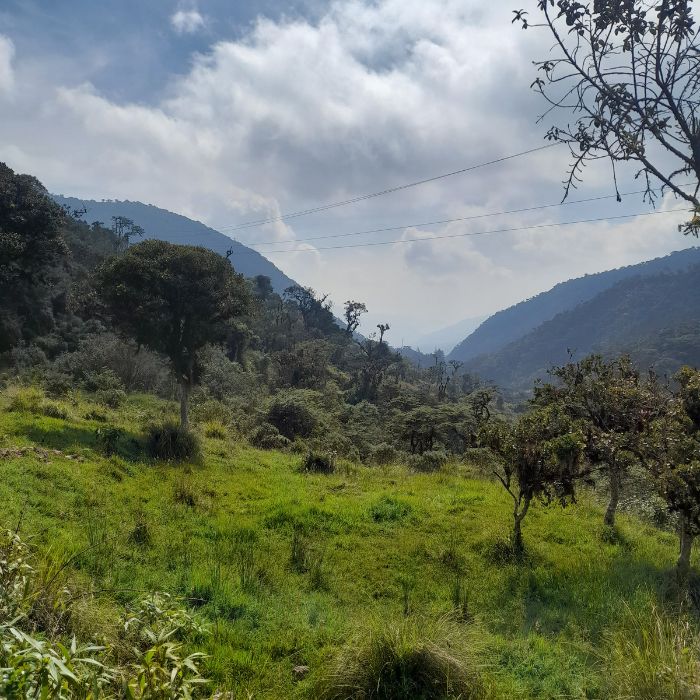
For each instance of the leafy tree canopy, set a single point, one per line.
(173, 299)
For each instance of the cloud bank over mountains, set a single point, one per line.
(289, 113)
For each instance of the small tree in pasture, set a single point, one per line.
(173, 299)
(540, 457)
(673, 456)
(613, 405)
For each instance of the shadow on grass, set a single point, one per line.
(546, 598)
(129, 446)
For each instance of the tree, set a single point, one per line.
(173, 299)
(262, 287)
(673, 457)
(614, 406)
(353, 311)
(31, 249)
(539, 459)
(629, 73)
(453, 427)
(376, 358)
(315, 310)
(124, 230)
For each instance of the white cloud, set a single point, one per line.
(187, 21)
(7, 75)
(295, 114)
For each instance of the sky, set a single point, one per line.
(230, 111)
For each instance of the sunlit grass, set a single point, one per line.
(378, 542)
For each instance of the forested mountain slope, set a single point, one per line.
(654, 318)
(510, 324)
(174, 228)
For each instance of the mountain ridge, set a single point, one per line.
(166, 225)
(654, 318)
(508, 325)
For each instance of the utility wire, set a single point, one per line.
(472, 233)
(451, 221)
(372, 195)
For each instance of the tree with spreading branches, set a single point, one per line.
(173, 299)
(628, 71)
(538, 459)
(353, 311)
(613, 404)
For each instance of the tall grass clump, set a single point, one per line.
(215, 429)
(652, 655)
(169, 442)
(25, 400)
(405, 660)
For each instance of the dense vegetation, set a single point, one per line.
(326, 519)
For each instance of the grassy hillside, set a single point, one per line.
(654, 318)
(291, 567)
(517, 321)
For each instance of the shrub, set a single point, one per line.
(216, 430)
(430, 461)
(54, 410)
(108, 388)
(383, 454)
(652, 656)
(267, 437)
(26, 400)
(169, 442)
(319, 463)
(108, 438)
(292, 418)
(404, 660)
(206, 410)
(138, 369)
(56, 383)
(34, 665)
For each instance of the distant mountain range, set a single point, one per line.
(651, 310)
(166, 226)
(516, 321)
(446, 338)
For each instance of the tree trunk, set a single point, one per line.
(686, 548)
(517, 535)
(184, 405)
(518, 517)
(614, 496)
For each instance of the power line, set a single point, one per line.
(372, 195)
(450, 221)
(474, 233)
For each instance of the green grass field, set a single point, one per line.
(289, 566)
